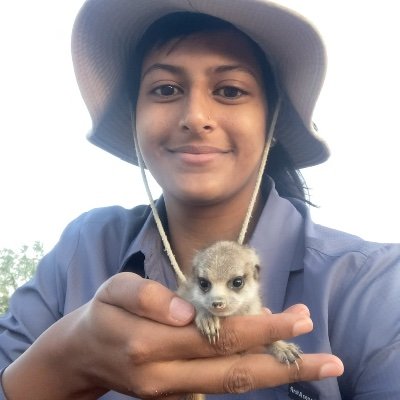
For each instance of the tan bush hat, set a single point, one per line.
(105, 34)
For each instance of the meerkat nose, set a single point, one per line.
(218, 304)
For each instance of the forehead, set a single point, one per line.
(227, 45)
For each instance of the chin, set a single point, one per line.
(196, 198)
(223, 313)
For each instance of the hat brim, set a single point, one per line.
(106, 32)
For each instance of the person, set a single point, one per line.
(216, 95)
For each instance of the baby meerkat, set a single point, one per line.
(224, 281)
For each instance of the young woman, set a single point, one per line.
(207, 90)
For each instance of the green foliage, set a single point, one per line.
(16, 267)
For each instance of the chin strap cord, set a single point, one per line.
(179, 274)
(263, 164)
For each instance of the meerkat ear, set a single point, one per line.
(256, 271)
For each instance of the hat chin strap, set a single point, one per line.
(263, 164)
(179, 274)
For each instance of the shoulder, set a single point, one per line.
(114, 219)
(351, 252)
(99, 236)
(331, 244)
(335, 243)
(350, 260)
(90, 250)
(112, 214)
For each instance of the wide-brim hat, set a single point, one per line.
(106, 32)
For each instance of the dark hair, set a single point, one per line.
(288, 180)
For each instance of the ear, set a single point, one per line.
(256, 273)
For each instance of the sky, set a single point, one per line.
(50, 174)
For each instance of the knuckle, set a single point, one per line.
(272, 334)
(108, 291)
(146, 292)
(144, 391)
(228, 342)
(295, 370)
(238, 380)
(143, 387)
(139, 352)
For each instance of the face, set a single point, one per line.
(225, 279)
(201, 118)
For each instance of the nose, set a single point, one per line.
(197, 115)
(218, 304)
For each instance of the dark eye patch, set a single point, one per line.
(204, 284)
(237, 282)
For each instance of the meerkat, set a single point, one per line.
(224, 281)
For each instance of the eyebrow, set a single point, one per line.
(166, 67)
(178, 70)
(227, 68)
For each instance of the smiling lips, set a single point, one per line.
(198, 154)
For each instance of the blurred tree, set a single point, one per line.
(16, 267)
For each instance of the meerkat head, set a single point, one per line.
(225, 278)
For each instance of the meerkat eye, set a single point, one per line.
(237, 282)
(204, 284)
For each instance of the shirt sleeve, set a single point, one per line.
(40, 302)
(92, 248)
(367, 331)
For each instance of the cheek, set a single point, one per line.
(149, 133)
(250, 145)
(249, 126)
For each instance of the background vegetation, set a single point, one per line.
(16, 267)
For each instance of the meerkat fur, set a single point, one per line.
(224, 281)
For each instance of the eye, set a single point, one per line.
(204, 284)
(237, 283)
(166, 91)
(230, 92)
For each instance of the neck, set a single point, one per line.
(194, 227)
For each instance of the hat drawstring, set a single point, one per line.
(263, 164)
(179, 274)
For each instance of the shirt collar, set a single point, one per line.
(148, 243)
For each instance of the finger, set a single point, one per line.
(146, 298)
(298, 308)
(237, 373)
(265, 329)
(235, 336)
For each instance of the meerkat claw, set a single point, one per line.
(284, 352)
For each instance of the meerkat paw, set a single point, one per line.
(209, 326)
(287, 353)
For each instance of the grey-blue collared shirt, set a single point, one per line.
(351, 286)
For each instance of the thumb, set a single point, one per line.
(146, 298)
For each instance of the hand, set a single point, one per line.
(134, 337)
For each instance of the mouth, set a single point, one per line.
(198, 155)
(199, 149)
(220, 313)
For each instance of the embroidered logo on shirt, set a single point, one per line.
(299, 392)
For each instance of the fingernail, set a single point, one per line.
(299, 309)
(180, 310)
(302, 326)
(302, 309)
(330, 370)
